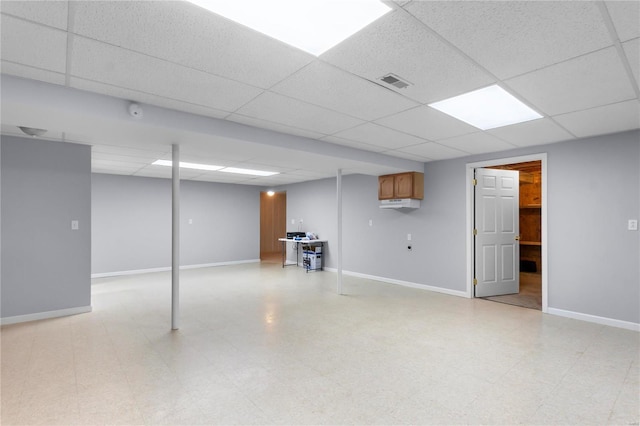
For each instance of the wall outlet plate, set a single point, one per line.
(632, 225)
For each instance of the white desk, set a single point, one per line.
(284, 242)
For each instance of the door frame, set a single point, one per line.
(470, 167)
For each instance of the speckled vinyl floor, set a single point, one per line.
(260, 344)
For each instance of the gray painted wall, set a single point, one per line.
(45, 264)
(593, 189)
(132, 223)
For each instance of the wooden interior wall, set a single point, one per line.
(530, 210)
(531, 218)
(273, 216)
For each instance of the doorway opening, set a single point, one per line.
(273, 212)
(530, 221)
(532, 212)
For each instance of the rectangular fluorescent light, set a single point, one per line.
(487, 108)
(184, 165)
(208, 167)
(314, 26)
(247, 171)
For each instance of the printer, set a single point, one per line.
(294, 235)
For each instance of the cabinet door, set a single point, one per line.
(385, 187)
(404, 185)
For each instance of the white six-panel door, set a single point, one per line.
(497, 228)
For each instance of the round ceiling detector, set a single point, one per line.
(32, 131)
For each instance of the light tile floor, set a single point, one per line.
(259, 344)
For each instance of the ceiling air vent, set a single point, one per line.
(395, 81)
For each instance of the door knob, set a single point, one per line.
(517, 237)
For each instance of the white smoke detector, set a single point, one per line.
(135, 110)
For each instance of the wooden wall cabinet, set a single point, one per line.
(401, 185)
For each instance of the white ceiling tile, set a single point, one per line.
(280, 157)
(326, 86)
(165, 172)
(198, 159)
(103, 156)
(52, 13)
(513, 37)
(223, 178)
(281, 165)
(126, 151)
(632, 51)
(602, 120)
(433, 151)
(187, 34)
(111, 65)
(116, 165)
(145, 98)
(25, 71)
(591, 80)
(476, 143)
(384, 137)
(407, 156)
(33, 44)
(353, 144)
(626, 18)
(427, 123)
(269, 125)
(291, 112)
(311, 174)
(276, 179)
(534, 132)
(109, 171)
(399, 44)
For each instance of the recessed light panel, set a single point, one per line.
(314, 26)
(208, 167)
(184, 165)
(247, 171)
(487, 108)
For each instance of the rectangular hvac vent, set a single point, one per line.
(395, 81)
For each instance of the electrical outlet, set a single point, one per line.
(190, 221)
(75, 225)
(293, 221)
(370, 222)
(301, 221)
(632, 225)
(408, 237)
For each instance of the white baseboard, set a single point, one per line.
(168, 268)
(45, 315)
(403, 283)
(208, 265)
(596, 319)
(130, 272)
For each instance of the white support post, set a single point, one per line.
(175, 236)
(339, 199)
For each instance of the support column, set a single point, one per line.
(175, 236)
(339, 203)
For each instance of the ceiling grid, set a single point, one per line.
(576, 63)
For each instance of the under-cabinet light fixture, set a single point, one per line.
(314, 26)
(487, 108)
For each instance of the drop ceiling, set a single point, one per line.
(233, 97)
